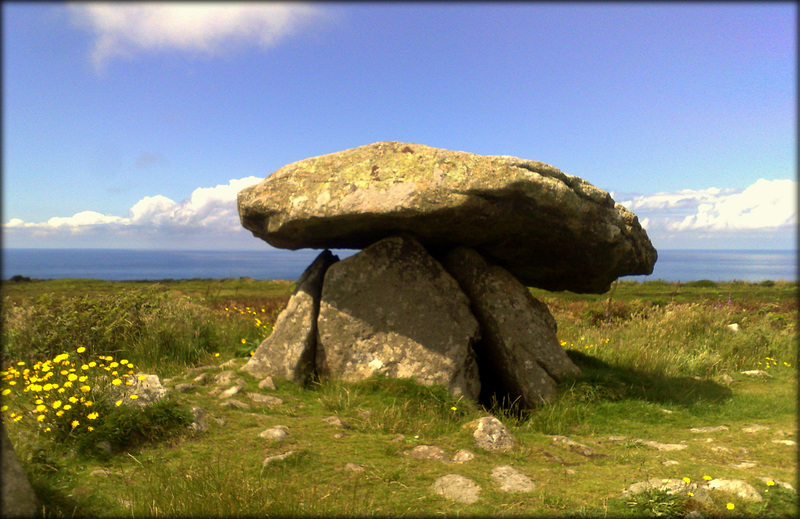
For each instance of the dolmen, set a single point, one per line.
(449, 242)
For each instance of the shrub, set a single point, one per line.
(68, 399)
(140, 325)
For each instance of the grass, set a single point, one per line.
(657, 359)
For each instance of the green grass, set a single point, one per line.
(663, 363)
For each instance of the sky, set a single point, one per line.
(134, 125)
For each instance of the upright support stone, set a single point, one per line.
(519, 352)
(393, 309)
(290, 350)
(18, 497)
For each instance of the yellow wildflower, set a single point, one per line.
(730, 506)
(81, 349)
(118, 403)
(41, 408)
(75, 423)
(56, 404)
(116, 382)
(40, 418)
(142, 377)
(92, 416)
(687, 480)
(134, 397)
(86, 389)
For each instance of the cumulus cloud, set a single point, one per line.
(765, 204)
(209, 210)
(125, 29)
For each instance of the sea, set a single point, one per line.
(130, 265)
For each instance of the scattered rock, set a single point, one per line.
(267, 383)
(743, 465)
(456, 487)
(185, 388)
(574, 446)
(201, 379)
(734, 327)
(549, 229)
(146, 387)
(669, 463)
(726, 379)
(264, 399)
(462, 456)
(781, 484)
(232, 402)
(785, 442)
(277, 433)
(739, 487)
(200, 422)
(232, 363)
(720, 448)
(756, 373)
(750, 429)
(709, 429)
(392, 309)
(511, 480)
(670, 486)
(336, 422)
(230, 392)
(354, 467)
(224, 378)
(490, 434)
(398, 438)
(519, 353)
(277, 457)
(427, 452)
(289, 350)
(101, 473)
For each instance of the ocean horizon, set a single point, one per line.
(676, 265)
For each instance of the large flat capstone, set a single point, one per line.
(393, 310)
(549, 229)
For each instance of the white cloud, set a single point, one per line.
(764, 205)
(125, 29)
(209, 209)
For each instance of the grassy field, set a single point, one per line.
(658, 359)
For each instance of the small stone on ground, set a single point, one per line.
(511, 480)
(456, 487)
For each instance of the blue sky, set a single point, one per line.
(133, 125)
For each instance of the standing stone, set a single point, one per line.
(550, 229)
(519, 353)
(392, 309)
(18, 498)
(290, 349)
